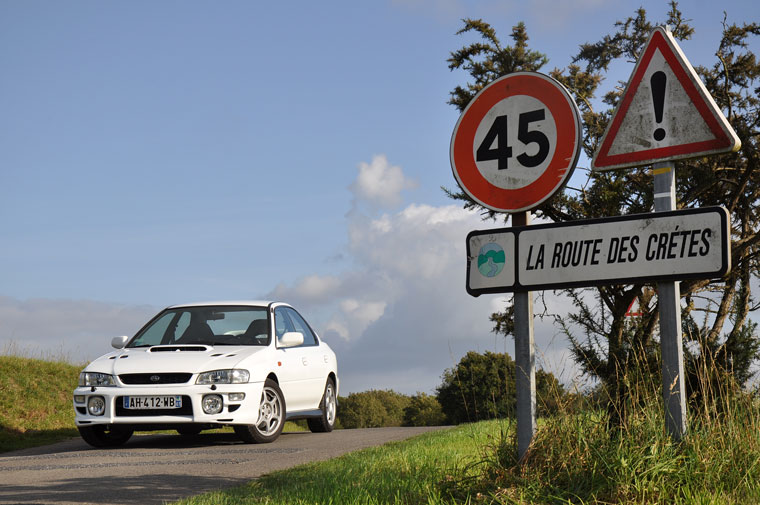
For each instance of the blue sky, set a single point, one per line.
(154, 153)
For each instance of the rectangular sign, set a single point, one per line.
(676, 245)
(491, 263)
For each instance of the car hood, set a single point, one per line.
(163, 359)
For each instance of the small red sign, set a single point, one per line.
(517, 142)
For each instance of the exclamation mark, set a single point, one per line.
(658, 81)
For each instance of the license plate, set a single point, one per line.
(152, 402)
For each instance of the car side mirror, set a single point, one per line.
(291, 339)
(119, 342)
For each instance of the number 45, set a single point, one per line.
(503, 151)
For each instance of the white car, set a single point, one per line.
(249, 365)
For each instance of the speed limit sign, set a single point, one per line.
(517, 142)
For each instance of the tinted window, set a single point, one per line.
(301, 327)
(211, 325)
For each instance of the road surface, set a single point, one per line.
(153, 469)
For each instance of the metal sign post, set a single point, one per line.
(669, 296)
(514, 146)
(665, 114)
(525, 367)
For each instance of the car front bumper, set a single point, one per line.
(234, 410)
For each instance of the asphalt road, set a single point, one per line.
(153, 469)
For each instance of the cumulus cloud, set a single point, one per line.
(400, 315)
(380, 183)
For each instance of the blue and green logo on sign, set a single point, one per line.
(491, 259)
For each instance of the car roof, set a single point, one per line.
(238, 303)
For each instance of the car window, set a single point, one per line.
(155, 332)
(282, 323)
(182, 323)
(301, 327)
(206, 325)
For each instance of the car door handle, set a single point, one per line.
(304, 361)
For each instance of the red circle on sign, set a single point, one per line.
(566, 151)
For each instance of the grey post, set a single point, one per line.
(525, 366)
(669, 294)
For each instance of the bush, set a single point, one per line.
(372, 409)
(482, 386)
(423, 410)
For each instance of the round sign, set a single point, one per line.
(517, 142)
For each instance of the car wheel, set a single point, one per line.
(105, 436)
(189, 431)
(271, 417)
(329, 407)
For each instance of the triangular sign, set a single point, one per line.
(634, 309)
(665, 113)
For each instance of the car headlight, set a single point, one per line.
(234, 376)
(96, 379)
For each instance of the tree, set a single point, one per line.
(482, 386)
(372, 409)
(423, 410)
(620, 351)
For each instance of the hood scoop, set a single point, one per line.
(178, 348)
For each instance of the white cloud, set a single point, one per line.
(380, 183)
(401, 315)
(307, 290)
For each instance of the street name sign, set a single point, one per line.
(641, 248)
(516, 142)
(665, 113)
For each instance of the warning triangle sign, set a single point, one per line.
(634, 309)
(665, 113)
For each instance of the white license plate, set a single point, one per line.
(152, 402)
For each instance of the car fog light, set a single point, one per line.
(237, 397)
(212, 404)
(96, 405)
(78, 398)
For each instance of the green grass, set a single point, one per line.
(575, 459)
(418, 470)
(35, 402)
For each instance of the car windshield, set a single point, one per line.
(206, 325)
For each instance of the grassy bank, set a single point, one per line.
(408, 472)
(575, 459)
(35, 402)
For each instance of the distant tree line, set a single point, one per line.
(479, 387)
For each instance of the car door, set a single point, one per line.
(302, 370)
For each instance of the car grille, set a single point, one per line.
(185, 410)
(155, 378)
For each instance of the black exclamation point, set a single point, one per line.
(658, 81)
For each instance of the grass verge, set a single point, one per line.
(35, 402)
(408, 472)
(576, 459)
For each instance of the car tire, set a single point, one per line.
(271, 417)
(329, 407)
(101, 435)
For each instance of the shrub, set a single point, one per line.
(423, 410)
(372, 409)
